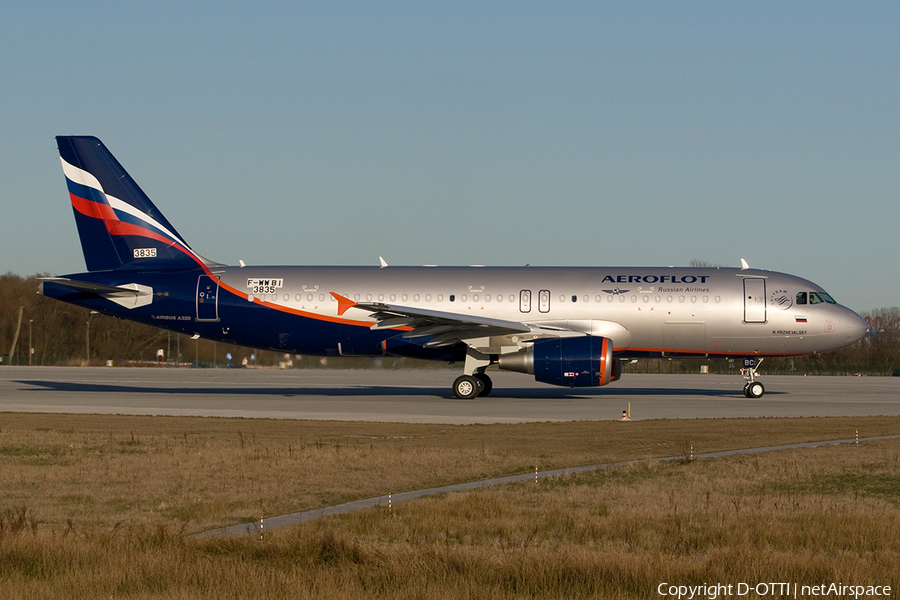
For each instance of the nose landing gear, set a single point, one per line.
(752, 388)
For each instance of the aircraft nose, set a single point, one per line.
(853, 326)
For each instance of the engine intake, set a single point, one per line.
(585, 361)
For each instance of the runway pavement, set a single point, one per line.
(423, 396)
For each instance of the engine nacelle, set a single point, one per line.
(585, 361)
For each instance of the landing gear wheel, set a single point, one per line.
(467, 387)
(754, 389)
(486, 384)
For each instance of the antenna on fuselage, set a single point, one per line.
(744, 265)
(383, 263)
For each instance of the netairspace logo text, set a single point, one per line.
(777, 590)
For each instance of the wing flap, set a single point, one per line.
(451, 327)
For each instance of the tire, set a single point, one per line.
(466, 387)
(486, 384)
(755, 390)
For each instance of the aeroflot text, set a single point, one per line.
(779, 590)
(655, 279)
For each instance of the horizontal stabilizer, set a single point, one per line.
(129, 295)
(91, 288)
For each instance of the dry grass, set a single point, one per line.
(107, 510)
(98, 471)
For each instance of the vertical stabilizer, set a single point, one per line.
(118, 224)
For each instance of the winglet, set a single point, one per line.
(343, 303)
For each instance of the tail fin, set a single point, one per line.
(118, 224)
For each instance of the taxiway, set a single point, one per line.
(422, 396)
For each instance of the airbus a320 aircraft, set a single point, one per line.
(567, 326)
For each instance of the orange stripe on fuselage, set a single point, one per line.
(295, 311)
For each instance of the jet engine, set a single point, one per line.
(585, 361)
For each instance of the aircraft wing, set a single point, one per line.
(446, 328)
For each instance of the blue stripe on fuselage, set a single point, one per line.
(173, 307)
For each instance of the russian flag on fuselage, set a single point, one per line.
(117, 223)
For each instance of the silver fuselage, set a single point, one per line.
(645, 311)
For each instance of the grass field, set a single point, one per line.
(100, 506)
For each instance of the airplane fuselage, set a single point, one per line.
(667, 311)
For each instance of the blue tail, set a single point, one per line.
(118, 225)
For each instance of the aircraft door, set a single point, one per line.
(544, 301)
(207, 298)
(754, 300)
(525, 301)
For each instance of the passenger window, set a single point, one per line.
(801, 298)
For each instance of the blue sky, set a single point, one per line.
(628, 133)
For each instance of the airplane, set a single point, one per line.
(566, 326)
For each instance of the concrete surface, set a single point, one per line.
(423, 396)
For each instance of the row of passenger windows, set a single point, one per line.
(814, 298)
(543, 299)
(524, 300)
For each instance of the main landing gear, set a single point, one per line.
(467, 387)
(474, 383)
(752, 388)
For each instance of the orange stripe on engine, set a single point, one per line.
(603, 366)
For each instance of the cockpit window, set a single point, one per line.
(815, 298)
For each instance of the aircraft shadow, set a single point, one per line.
(439, 392)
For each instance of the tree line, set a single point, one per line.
(63, 334)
